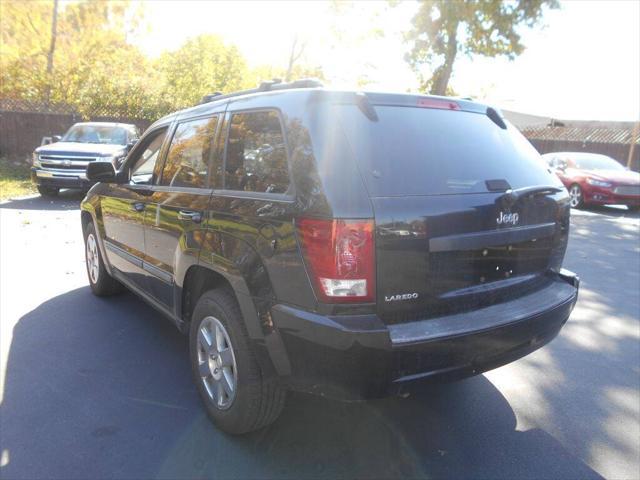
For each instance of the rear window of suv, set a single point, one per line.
(256, 158)
(424, 151)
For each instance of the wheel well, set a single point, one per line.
(86, 220)
(197, 281)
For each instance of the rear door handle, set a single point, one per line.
(138, 206)
(189, 215)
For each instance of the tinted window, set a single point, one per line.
(256, 155)
(145, 157)
(423, 151)
(189, 153)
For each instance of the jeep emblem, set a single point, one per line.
(511, 218)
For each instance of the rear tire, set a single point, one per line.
(48, 192)
(576, 196)
(102, 284)
(221, 357)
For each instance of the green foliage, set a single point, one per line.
(204, 64)
(93, 64)
(441, 29)
(97, 71)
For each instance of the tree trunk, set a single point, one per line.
(293, 57)
(443, 74)
(52, 49)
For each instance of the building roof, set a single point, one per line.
(581, 134)
(524, 120)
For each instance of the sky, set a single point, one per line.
(584, 63)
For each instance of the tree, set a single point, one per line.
(442, 28)
(78, 56)
(299, 71)
(204, 64)
(297, 49)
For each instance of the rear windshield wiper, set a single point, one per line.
(510, 197)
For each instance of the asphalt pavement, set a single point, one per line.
(101, 388)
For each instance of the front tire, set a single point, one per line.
(576, 196)
(102, 284)
(237, 398)
(48, 192)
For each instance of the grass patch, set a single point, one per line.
(15, 179)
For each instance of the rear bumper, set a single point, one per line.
(59, 178)
(358, 357)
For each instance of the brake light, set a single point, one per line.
(340, 257)
(438, 103)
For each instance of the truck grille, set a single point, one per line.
(55, 166)
(71, 163)
(627, 190)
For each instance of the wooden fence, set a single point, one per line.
(618, 151)
(22, 132)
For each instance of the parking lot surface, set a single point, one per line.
(97, 387)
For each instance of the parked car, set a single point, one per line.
(343, 244)
(63, 164)
(595, 179)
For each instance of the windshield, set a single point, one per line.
(596, 162)
(423, 151)
(97, 134)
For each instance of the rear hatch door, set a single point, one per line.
(466, 212)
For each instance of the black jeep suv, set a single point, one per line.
(339, 243)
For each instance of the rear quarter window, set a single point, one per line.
(423, 151)
(256, 154)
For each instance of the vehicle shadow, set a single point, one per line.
(66, 200)
(102, 388)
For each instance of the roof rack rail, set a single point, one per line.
(266, 86)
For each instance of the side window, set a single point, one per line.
(256, 158)
(145, 158)
(187, 163)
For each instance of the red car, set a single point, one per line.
(594, 179)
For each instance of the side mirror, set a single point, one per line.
(56, 138)
(131, 144)
(101, 172)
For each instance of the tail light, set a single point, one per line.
(340, 257)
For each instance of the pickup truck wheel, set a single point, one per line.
(101, 283)
(236, 396)
(48, 191)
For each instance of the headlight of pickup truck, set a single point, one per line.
(598, 183)
(35, 160)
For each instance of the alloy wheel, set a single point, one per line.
(575, 195)
(93, 260)
(217, 362)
